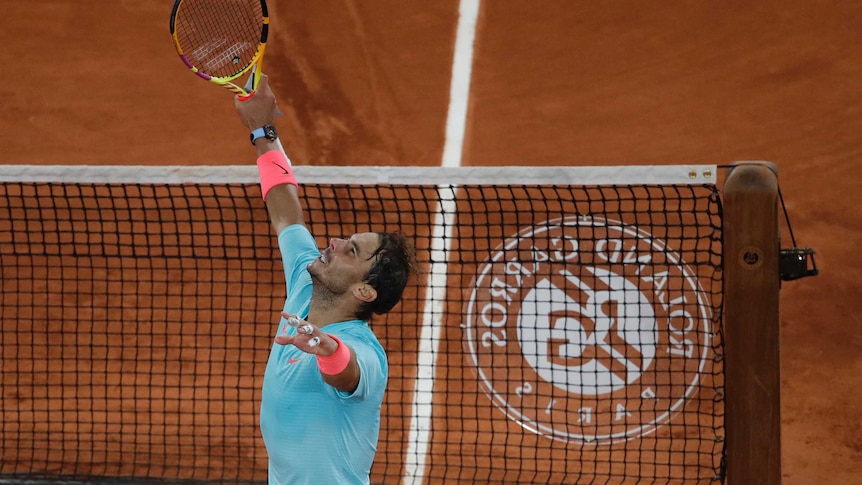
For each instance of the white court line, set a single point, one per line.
(441, 237)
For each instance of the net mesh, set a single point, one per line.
(559, 334)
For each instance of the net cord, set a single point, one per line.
(400, 175)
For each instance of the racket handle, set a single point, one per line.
(280, 147)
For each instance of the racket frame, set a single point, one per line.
(226, 81)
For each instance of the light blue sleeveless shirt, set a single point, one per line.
(314, 433)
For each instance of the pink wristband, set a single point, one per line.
(336, 363)
(274, 169)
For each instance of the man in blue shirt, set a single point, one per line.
(324, 381)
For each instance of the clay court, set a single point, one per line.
(553, 83)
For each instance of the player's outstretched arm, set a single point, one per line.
(278, 184)
(337, 361)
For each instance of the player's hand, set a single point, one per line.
(259, 107)
(308, 338)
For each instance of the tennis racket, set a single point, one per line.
(221, 40)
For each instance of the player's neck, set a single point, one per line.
(332, 314)
(327, 307)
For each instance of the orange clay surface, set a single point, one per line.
(554, 83)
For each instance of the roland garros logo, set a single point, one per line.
(588, 330)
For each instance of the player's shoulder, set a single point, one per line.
(353, 328)
(294, 231)
(355, 331)
(365, 344)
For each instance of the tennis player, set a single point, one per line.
(324, 381)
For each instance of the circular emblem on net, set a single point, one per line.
(587, 330)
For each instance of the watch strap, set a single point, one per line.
(265, 131)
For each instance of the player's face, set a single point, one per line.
(345, 262)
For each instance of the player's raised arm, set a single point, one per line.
(278, 184)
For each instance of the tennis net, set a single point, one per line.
(566, 328)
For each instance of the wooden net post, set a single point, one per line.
(751, 319)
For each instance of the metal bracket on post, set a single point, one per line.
(793, 263)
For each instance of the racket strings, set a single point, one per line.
(219, 38)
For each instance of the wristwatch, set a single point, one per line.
(265, 131)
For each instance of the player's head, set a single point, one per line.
(394, 263)
(369, 270)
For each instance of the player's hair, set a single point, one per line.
(395, 263)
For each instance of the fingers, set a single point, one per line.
(262, 87)
(284, 339)
(304, 337)
(299, 324)
(263, 82)
(292, 320)
(260, 80)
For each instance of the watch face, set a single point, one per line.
(270, 132)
